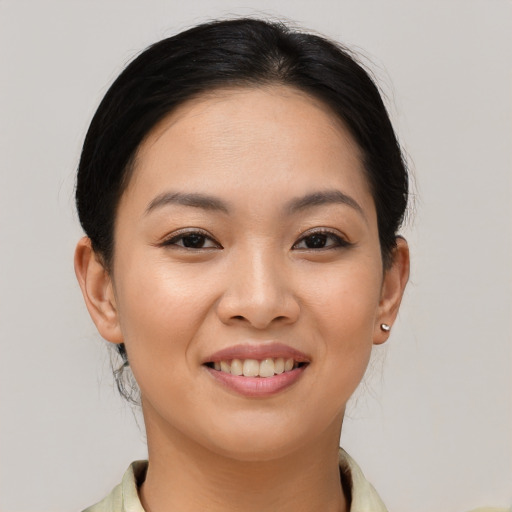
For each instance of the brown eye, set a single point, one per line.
(192, 240)
(316, 241)
(321, 240)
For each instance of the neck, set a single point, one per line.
(184, 475)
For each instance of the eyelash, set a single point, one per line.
(172, 241)
(339, 241)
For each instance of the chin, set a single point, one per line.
(256, 448)
(262, 441)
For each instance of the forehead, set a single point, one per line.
(262, 139)
(265, 111)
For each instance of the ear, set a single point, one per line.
(98, 291)
(393, 286)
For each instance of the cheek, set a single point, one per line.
(344, 310)
(346, 299)
(160, 316)
(160, 310)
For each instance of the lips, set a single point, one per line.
(257, 370)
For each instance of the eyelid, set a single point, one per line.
(170, 240)
(342, 240)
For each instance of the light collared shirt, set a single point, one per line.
(125, 496)
(362, 495)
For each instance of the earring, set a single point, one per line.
(385, 327)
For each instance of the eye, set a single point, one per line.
(192, 240)
(321, 240)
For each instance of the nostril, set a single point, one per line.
(277, 318)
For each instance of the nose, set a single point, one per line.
(259, 292)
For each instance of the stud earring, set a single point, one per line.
(385, 327)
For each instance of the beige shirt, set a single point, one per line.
(125, 498)
(364, 498)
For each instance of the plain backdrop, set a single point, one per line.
(431, 424)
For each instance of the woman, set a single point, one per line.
(241, 189)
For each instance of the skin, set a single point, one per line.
(255, 280)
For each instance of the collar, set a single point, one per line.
(125, 497)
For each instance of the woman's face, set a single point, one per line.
(248, 233)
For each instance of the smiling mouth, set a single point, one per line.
(268, 367)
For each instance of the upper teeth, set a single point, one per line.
(254, 368)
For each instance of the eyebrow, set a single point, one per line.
(212, 203)
(322, 198)
(187, 199)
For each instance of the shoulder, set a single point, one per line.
(113, 501)
(124, 497)
(364, 497)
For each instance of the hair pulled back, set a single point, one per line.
(239, 52)
(225, 54)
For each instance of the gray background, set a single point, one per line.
(431, 424)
